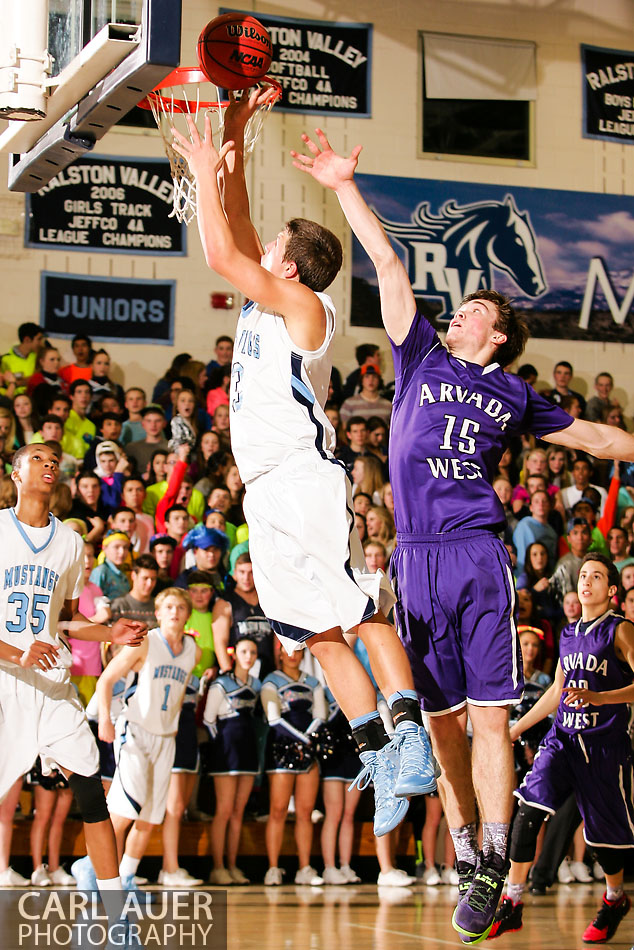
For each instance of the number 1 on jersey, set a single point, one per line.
(167, 692)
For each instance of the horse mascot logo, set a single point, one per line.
(453, 253)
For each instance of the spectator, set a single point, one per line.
(504, 490)
(535, 577)
(87, 667)
(367, 477)
(366, 354)
(218, 388)
(356, 435)
(162, 548)
(111, 464)
(100, 382)
(26, 419)
(557, 461)
(562, 374)
(240, 615)
(618, 548)
(220, 422)
(18, 365)
(208, 546)
(332, 411)
(566, 573)
(627, 604)
(109, 575)
(581, 474)
(378, 435)
(535, 528)
(163, 386)
(142, 450)
(133, 496)
(381, 527)
(134, 402)
(223, 354)
(138, 603)
(79, 430)
(46, 381)
(80, 369)
(368, 402)
(87, 504)
(361, 503)
(603, 386)
(528, 373)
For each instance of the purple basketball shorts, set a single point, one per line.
(456, 617)
(598, 769)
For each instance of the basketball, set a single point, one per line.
(234, 51)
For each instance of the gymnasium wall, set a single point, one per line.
(563, 160)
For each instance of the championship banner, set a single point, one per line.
(108, 309)
(101, 203)
(322, 66)
(608, 94)
(564, 257)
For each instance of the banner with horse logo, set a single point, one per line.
(564, 257)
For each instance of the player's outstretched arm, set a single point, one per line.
(545, 706)
(301, 308)
(604, 442)
(235, 197)
(624, 649)
(124, 632)
(337, 173)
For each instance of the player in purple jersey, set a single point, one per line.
(454, 412)
(308, 565)
(587, 750)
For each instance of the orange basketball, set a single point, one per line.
(234, 51)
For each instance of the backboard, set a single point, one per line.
(103, 57)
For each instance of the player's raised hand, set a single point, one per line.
(201, 155)
(239, 111)
(128, 633)
(326, 167)
(39, 654)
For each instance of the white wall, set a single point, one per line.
(563, 160)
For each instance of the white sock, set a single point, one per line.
(515, 891)
(128, 866)
(111, 884)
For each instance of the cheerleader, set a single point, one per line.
(339, 764)
(228, 715)
(295, 706)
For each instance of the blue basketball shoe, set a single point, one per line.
(84, 873)
(417, 765)
(381, 768)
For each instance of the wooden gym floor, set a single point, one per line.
(419, 918)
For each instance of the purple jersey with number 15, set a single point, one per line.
(451, 422)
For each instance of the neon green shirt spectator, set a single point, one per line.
(78, 434)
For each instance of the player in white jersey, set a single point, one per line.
(308, 565)
(146, 728)
(41, 571)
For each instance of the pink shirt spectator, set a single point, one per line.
(87, 653)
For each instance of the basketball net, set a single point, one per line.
(188, 92)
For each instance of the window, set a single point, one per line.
(478, 97)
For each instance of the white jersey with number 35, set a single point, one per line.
(278, 392)
(40, 568)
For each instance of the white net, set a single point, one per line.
(197, 98)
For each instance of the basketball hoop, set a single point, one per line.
(188, 92)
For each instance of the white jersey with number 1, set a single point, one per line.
(155, 701)
(278, 392)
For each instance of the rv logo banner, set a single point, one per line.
(563, 256)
